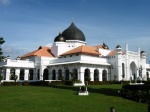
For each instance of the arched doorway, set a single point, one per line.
(104, 75)
(96, 75)
(22, 74)
(67, 74)
(45, 74)
(12, 73)
(38, 74)
(31, 74)
(75, 72)
(123, 71)
(133, 71)
(60, 74)
(53, 75)
(87, 75)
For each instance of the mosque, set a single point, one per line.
(70, 54)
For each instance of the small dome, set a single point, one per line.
(118, 46)
(105, 46)
(142, 52)
(59, 38)
(73, 33)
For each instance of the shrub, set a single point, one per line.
(68, 82)
(138, 93)
(25, 83)
(56, 83)
(10, 83)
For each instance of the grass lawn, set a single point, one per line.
(65, 99)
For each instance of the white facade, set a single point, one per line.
(118, 64)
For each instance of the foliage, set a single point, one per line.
(1, 77)
(56, 83)
(68, 82)
(73, 77)
(139, 93)
(1, 53)
(78, 81)
(11, 83)
(39, 83)
(25, 83)
(14, 77)
(115, 77)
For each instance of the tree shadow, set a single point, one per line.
(105, 91)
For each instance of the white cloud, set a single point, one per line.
(5, 2)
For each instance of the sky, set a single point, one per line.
(27, 24)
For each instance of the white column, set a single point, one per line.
(7, 74)
(49, 73)
(82, 75)
(56, 71)
(91, 75)
(100, 75)
(17, 73)
(78, 74)
(26, 74)
(34, 74)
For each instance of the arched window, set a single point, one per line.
(31, 74)
(22, 74)
(87, 75)
(53, 75)
(45, 74)
(96, 75)
(60, 74)
(104, 75)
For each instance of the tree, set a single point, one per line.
(1, 53)
(0, 79)
(14, 77)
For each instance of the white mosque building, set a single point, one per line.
(70, 54)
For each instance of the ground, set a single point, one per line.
(65, 99)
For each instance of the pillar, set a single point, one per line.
(7, 74)
(82, 75)
(100, 75)
(17, 73)
(26, 74)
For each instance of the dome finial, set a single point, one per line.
(60, 31)
(72, 20)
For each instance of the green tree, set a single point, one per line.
(0, 79)
(14, 77)
(1, 53)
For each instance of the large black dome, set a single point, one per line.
(73, 33)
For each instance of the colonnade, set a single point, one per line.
(57, 73)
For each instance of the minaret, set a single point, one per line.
(143, 64)
(119, 62)
(127, 71)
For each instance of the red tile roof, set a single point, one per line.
(42, 51)
(84, 49)
(112, 53)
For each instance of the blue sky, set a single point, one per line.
(28, 24)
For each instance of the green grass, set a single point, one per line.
(65, 99)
